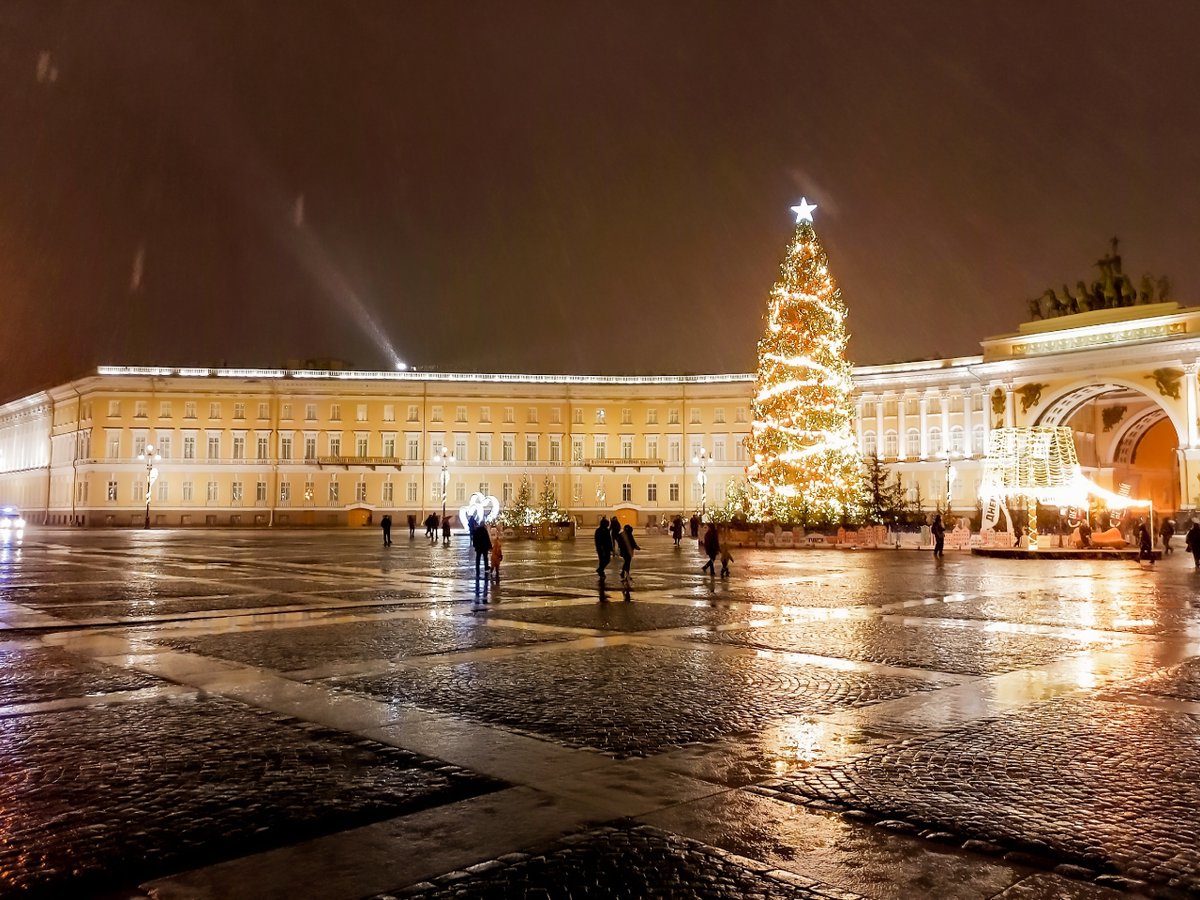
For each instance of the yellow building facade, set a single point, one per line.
(313, 447)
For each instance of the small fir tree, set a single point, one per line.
(519, 512)
(549, 512)
(804, 458)
(883, 497)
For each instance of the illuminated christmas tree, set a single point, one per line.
(805, 464)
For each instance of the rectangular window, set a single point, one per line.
(695, 419)
(285, 448)
(577, 416)
(360, 492)
(556, 416)
(627, 417)
(626, 447)
(114, 446)
(435, 491)
(114, 410)
(739, 450)
(189, 409)
(360, 413)
(335, 445)
(310, 412)
(211, 493)
(414, 413)
(673, 417)
(652, 448)
(140, 409)
(360, 445)
(485, 450)
(673, 450)
(719, 450)
(389, 447)
(164, 492)
(333, 492)
(652, 417)
(214, 410)
(264, 410)
(414, 448)
(599, 416)
(506, 449)
(460, 414)
(214, 447)
(285, 411)
(436, 445)
(673, 491)
(139, 446)
(187, 491)
(533, 415)
(164, 446)
(719, 416)
(506, 492)
(652, 493)
(626, 492)
(577, 449)
(310, 447)
(410, 492)
(460, 492)
(531, 448)
(239, 446)
(460, 449)
(235, 492)
(387, 492)
(239, 410)
(435, 413)
(138, 492)
(555, 449)
(164, 410)
(189, 447)
(509, 415)
(285, 492)
(485, 414)
(260, 492)
(262, 448)
(485, 488)
(389, 412)
(739, 414)
(601, 447)
(577, 492)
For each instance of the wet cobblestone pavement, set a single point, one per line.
(224, 714)
(622, 863)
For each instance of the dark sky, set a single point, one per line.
(595, 187)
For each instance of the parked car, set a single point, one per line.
(10, 519)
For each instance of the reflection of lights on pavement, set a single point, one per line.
(795, 741)
(800, 659)
(1085, 671)
(1082, 635)
(1133, 623)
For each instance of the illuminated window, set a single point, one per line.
(599, 416)
(935, 441)
(460, 414)
(956, 439)
(387, 492)
(260, 492)
(335, 412)
(214, 410)
(891, 444)
(360, 413)
(310, 412)
(695, 420)
(912, 442)
(652, 493)
(673, 491)
(189, 409)
(239, 410)
(627, 417)
(140, 409)
(389, 412)
(210, 494)
(262, 451)
(285, 492)
(187, 491)
(652, 417)
(310, 447)
(719, 416)
(114, 410)
(239, 446)
(333, 492)
(264, 411)
(414, 413)
(235, 492)
(112, 491)
(869, 445)
(360, 492)
(673, 417)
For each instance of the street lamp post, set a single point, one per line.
(447, 458)
(150, 455)
(701, 459)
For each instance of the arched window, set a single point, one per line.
(912, 443)
(956, 439)
(869, 444)
(978, 444)
(935, 441)
(891, 444)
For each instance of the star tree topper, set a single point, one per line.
(804, 211)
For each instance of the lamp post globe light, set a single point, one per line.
(951, 474)
(150, 456)
(701, 459)
(447, 459)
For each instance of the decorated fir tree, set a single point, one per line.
(804, 459)
(519, 512)
(549, 512)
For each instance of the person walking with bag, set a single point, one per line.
(712, 546)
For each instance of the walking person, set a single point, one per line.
(497, 555)
(445, 532)
(1145, 543)
(434, 527)
(626, 545)
(712, 546)
(604, 547)
(386, 524)
(1166, 533)
(615, 527)
(482, 542)
(412, 526)
(677, 530)
(726, 557)
(939, 536)
(1192, 541)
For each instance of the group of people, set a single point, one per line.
(611, 536)
(432, 523)
(489, 551)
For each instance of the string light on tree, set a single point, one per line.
(802, 450)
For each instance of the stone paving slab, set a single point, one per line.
(1181, 682)
(618, 615)
(635, 700)
(1111, 787)
(941, 646)
(626, 862)
(391, 639)
(158, 609)
(42, 674)
(101, 798)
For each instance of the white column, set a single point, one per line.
(968, 400)
(858, 422)
(879, 425)
(1010, 406)
(1193, 427)
(944, 400)
(924, 427)
(901, 428)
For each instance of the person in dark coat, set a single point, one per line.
(604, 546)
(386, 524)
(429, 526)
(625, 546)
(694, 525)
(615, 524)
(412, 526)
(1145, 542)
(482, 542)
(1192, 541)
(1166, 532)
(445, 532)
(677, 529)
(712, 546)
(939, 536)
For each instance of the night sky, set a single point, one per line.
(582, 187)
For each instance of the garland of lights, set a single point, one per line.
(802, 448)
